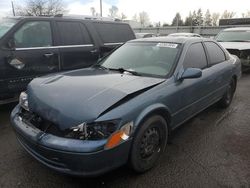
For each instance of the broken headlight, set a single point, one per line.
(23, 101)
(245, 57)
(93, 131)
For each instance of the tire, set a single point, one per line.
(228, 96)
(149, 143)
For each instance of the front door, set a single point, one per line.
(194, 94)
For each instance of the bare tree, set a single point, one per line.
(135, 18)
(41, 8)
(215, 19)
(227, 14)
(93, 11)
(123, 16)
(113, 12)
(246, 15)
(143, 18)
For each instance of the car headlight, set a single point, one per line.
(23, 101)
(93, 131)
(101, 130)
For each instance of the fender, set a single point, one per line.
(150, 109)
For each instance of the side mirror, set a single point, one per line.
(11, 44)
(190, 73)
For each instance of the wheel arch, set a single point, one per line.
(235, 78)
(156, 109)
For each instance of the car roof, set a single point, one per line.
(68, 18)
(143, 33)
(180, 40)
(184, 34)
(238, 29)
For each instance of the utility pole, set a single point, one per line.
(177, 24)
(101, 8)
(13, 8)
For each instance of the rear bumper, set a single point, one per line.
(69, 156)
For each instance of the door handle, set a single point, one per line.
(48, 55)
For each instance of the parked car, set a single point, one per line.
(144, 35)
(184, 35)
(237, 42)
(89, 121)
(35, 46)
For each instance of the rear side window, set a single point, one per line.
(33, 34)
(114, 33)
(73, 33)
(215, 53)
(195, 57)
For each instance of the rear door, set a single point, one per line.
(34, 54)
(112, 35)
(77, 49)
(219, 67)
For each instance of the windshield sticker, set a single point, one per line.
(167, 45)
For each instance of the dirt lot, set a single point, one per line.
(211, 150)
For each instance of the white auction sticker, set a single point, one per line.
(167, 45)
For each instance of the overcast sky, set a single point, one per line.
(158, 10)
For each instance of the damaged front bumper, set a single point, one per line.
(69, 156)
(245, 63)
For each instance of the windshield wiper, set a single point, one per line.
(100, 66)
(122, 70)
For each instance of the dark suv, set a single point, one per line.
(35, 46)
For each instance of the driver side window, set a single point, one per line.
(33, 34)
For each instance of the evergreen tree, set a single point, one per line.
(177, 21)
(188, 20)
(208, 19)
(194, 19)
(199, 17)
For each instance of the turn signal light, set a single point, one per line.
(119, 136)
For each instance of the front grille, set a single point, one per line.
(242, 54)
(40, 123)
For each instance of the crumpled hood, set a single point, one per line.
(70, 98)
(236, 45)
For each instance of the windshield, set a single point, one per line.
(152, 59)
(234, 36)
(6, 25)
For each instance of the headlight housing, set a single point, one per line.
(102, 130)
(93, 131)
(23, 101)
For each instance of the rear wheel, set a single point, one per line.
(228, 96)
(149, 143)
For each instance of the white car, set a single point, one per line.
(237, 42)
(184, 35)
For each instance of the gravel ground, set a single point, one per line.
(211, 150)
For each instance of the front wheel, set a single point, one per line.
(228, 96)
(149, 143)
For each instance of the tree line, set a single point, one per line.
(195, 18)
(198, 18)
